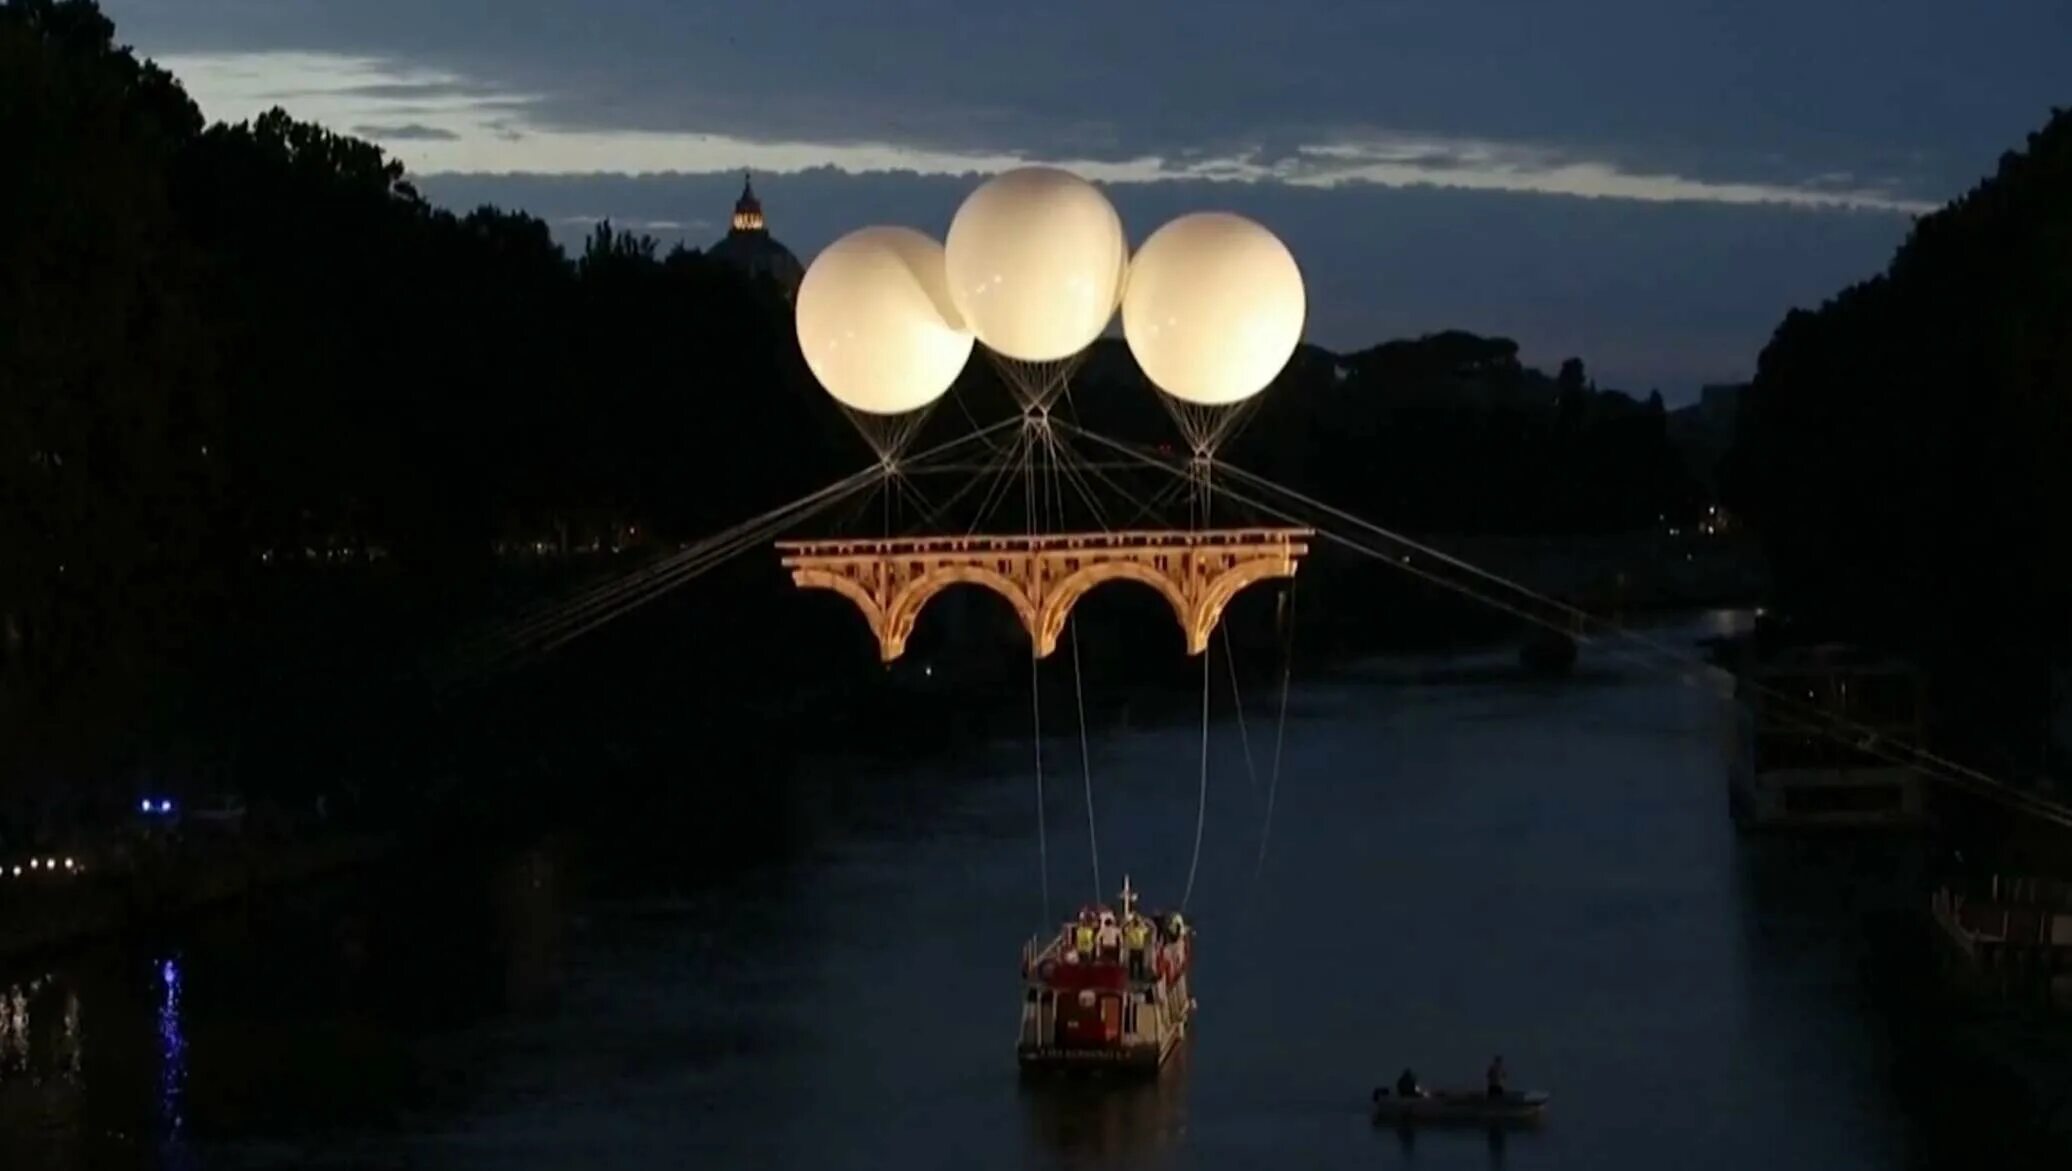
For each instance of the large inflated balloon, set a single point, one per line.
(1214, 308)
(877, 324)
(1036, 262)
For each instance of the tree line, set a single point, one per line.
(1905, 451)
(222, 342)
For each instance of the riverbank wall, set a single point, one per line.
(1989, 1075)
(41, 915)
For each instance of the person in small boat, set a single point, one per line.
(1083, 934)
(1497, 1077)
(1407, 1087)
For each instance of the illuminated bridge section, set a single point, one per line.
(1042, 576)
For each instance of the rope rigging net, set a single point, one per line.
(1063, 489)
(1204, 429)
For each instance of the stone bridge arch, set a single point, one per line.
(1059, 600)
(910, 598)
(1044, 576)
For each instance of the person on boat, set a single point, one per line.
(1497, 1077)
(1083, 934)
(1136, 936)
(1407, 1087)
(1109, 937)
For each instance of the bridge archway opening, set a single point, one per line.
(1127, 632)
(966, 631)
(1255, 622)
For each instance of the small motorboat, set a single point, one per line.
(1469, 1107)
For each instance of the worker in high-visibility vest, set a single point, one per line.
(1083, 935)
(1136, 934)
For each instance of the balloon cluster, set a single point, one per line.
(1035, 266)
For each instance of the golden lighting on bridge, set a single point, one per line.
(1043, 575)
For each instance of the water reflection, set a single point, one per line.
(1563, 885)
(527, 893)
(1094, 1120)
(1496, 1139)
(41, 1092)
(39, 1030)
(172, 1059)
(14, 1029)
(1726, 623)
(70, 1046)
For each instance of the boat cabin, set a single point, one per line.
(1815, 730)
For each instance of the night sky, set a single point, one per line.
(1647, 183)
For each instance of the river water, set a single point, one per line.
(1460, 863)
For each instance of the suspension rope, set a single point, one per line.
(998, 450)
(1035, 385)
(1237, 700)
(1042, 834)
(666, 572)
(851, 519)
(1201, 800)
(553, 626)
(996, 494)
(732, 549)
(1862, 737)
(562, 609)
(1036, 689)
(1198, 521)
(1152, 507)
(1198, 516)
(1079, 467)
(1286, 680)
(907, 486)
(888, 435)
(1061, 467)
(1077, 479)
(1086, 768)
(1273, 782)
(1207, 428)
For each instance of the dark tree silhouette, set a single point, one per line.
(232, 355)
(110, 418)
(1903, 449)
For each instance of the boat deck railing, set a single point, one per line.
(1035, 953)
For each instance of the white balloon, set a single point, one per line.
(1122, 272)
(1214, 308)
(1036, 261)
(876, 323)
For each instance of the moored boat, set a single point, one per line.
(1785, 773)
(1461, 1107)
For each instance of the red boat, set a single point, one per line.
(1108, 991)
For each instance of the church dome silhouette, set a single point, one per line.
(749, 247)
